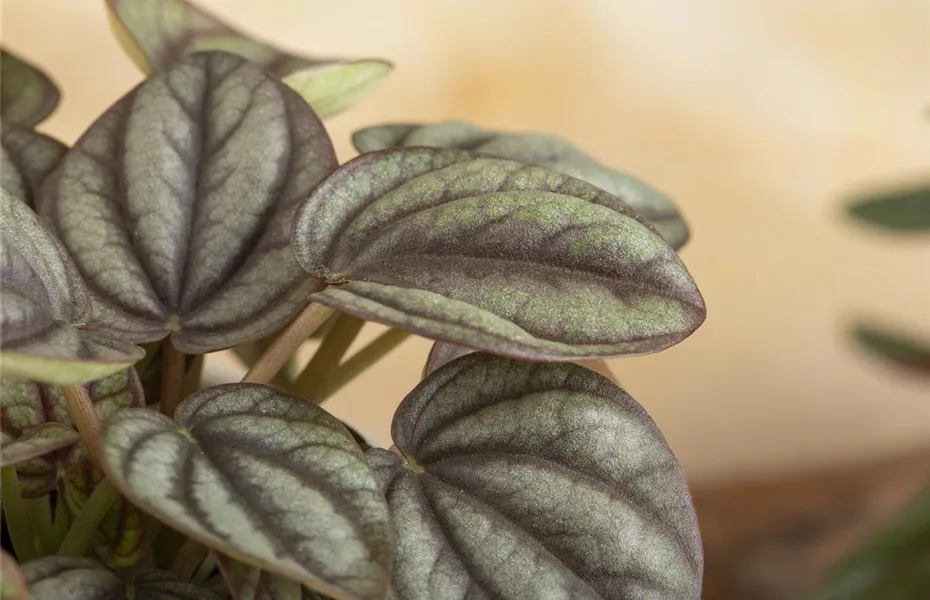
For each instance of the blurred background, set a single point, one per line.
(761, 119)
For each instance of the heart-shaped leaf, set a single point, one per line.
(37, 442)
(176, 204)
(44, 302)
(262, 476)
(26, 159)
(535, 481)
(61, 577)
(901, 210)
(27, 95)
(490, 253)
(900, 349)
(12, 582)
(537, 149)
(158, 33)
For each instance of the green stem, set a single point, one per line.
(15, 512)
(62, 521)
(188, 558)
(276, 356)
(206, 568)
(81, 534)
(173, 367)
(328, 355)
(39, 516)
(361, 360)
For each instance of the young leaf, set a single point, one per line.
(535, 481)
(158, 33)
(27, 95)
(537, 149)
(264, 477)
(903, 210)
(901, 350)
(44, 302)
(491, 253)
(12, 582)
(27, 157)
(176, 204)
(37, 442)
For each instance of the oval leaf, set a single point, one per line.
(262, 476)
(900, 349)
(57, 577)
(535, 481)
(27, 95)
(26, 159)
(176, 204)
(44, 300)
(488, 253)
(12, 582)
(36, 442)
(902, 210)
(537, 149)
(158, 33)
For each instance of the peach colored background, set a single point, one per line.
(757, 116)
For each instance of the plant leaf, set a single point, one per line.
(158, 33)
(441, 354)
(537, 149)
(162, 585)
(59, 577)
(176, 204)
(27, 95)
(12, 583)
(37, 442)
(902, 210)
(488, 253)
(251, 583)
(900, 349)
(44, 300)
(262, 476)
(26, 159)
(527, 481)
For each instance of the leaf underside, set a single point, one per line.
(262, 476)
(27, 95)
(44, 303)
(538, 149)
(176, 204)
(158, 33)
(903, 210)
(534, 480)
(27, 157)
(493, 254)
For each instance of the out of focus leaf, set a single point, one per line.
(37, 442)
(27, 95)
(523, 480)
(12, 582)
(27, 157)
(902, 210)
(158, 33)
(898, 348)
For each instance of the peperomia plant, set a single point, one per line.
(206, 210)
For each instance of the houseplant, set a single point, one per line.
(205, 210)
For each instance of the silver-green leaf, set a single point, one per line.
(441, 354)
(176, 204)
(27, 157)
(44, 307)
(262, 476)
(538, 149)
(158, 33)
(493, 254)
(530, 480)
(27, 95)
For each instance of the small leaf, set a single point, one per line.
(488, 253)
(60, 577)
(262, 476)
(158, 33)
(26, 159)
(898, 348)
(44, 302)
(27, 95)
(176, 204)
(441, 354)
(535, 481)
(537, 149)
(902, 210)
(37, 442)
(12, 582)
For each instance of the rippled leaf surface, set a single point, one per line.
(157, 33)
(27, 157)
(261, 476)
(176, 204)
(37, 442)
(27, 95)
(538, 149)
(493, 254)
(901, 210)
(534, 481)
(44, 301)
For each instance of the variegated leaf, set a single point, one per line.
(27, 157)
